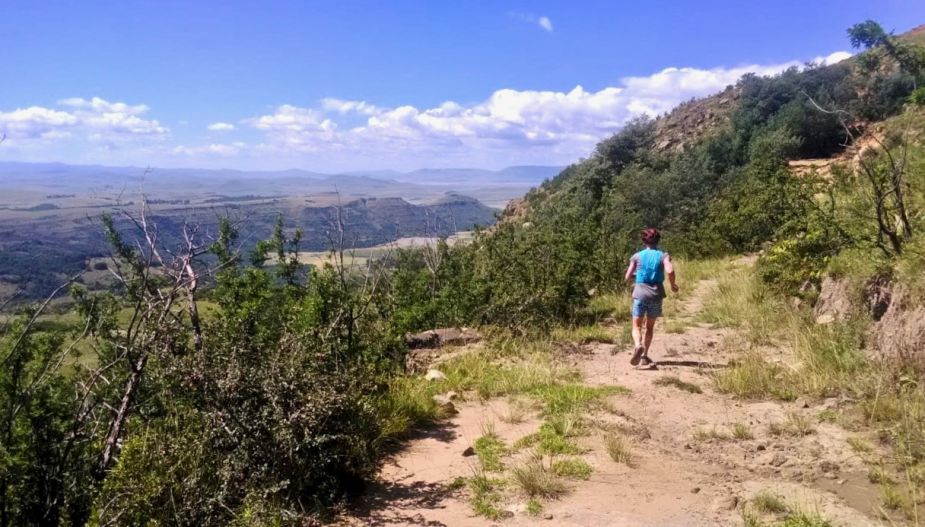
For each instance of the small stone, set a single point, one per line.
(469, 452)
(507, 515)
(802, 402)
(434, 375)
(695, 490)
(726, 503)
(547, 516)
(446, 406)
(761, 447)
(829, 466)
(451, 395)
(778, 459)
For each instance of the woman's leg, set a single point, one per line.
(650, 332)
(637, 331)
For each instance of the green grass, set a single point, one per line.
(573, 398)
(584, 334)
(771, 510)
(576, 468)
(768, 503)
(534, 507)
(675, 382)
(485, 499)
(490, 449)
(753, 377)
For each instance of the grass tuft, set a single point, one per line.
(485, 498)
(707, 434)
(490, 449)
(795, 425)
(538, 481)
(742, 432)
(572, 468)
(618, 448)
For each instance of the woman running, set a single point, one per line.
(649, 267)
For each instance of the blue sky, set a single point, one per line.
(350, 85)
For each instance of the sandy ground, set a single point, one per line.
(676, 479)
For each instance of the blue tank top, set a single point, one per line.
(650, 269)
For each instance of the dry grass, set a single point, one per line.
(536, 480)
(795, 425)
(712, 433)
(742, 432)
(618, 448)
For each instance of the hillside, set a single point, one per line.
(489, 382)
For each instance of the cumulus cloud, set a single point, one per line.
(95, 119)
(214, 149)
(533, 125)
(543, 22)
(221, 127)
(507, 127)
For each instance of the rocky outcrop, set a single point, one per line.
(898, 330)
(899, 335)
(428, 347)
(835, 302)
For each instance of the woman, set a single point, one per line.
(649, 268)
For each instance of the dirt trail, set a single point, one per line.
(677, 479)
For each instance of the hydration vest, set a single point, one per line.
(650, 269)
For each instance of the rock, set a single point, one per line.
(436, 338)
(506, 515)
(761, 446)
(547, 516)
(451, 395)
(448, 409)
(695, 490)
(829, 466)
(778, 459)
(446, 406)
(834, 301)
(434, 375)
(802, 402)
(469, 452)
(726, 503)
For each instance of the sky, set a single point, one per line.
(348, 85)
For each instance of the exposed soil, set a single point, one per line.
(677, 479)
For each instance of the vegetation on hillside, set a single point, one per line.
(277, 404)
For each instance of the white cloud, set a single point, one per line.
(543, 22)
(221, 127)
(95, 119)
(833, 58)
(529, 125)
(508, 127)
(215, 149)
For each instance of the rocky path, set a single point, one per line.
(688, 468)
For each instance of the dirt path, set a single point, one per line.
(681, 475)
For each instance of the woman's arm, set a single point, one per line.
(669, 270)
(630, 271)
